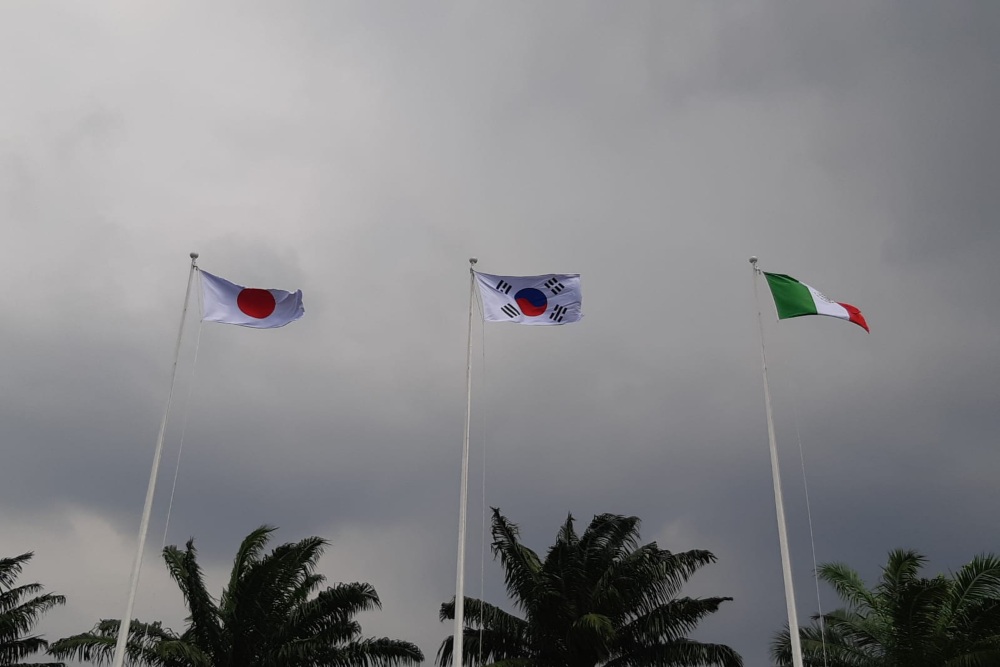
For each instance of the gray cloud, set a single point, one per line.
(361, 152)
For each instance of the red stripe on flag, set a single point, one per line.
(856, 316)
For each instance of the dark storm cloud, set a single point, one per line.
(362, 152)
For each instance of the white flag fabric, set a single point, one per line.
(547, 300)
(228, 303)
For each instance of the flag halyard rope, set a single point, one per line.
(482, 555)
(184, 425)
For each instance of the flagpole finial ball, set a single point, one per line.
(473, 260)
(194, 255)
(753, 260)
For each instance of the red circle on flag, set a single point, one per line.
(258, 303)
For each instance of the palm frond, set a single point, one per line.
(382, 652)
(279, 575)
(14, 650)
(482, 647)
(660, 574)
(567, 532)
(248, 553)
(848, 585)
(204, 623)
(521, 565)
(670, 621)
(149, 644)
(867, 631)
(10, 568)
(986, 656)
(21, 607)
(902, 568)
(514, 662)
(490, 632)
(975, 582)
(485, 615)
(266, 594)
(609, 536)
(915, 613)
(13, 596)
(329, 614)
(20, 619)
(683, 652)
(822, 650)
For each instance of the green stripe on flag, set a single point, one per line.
(791, 298)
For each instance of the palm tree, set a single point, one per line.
(20, 609)
(266, 617)
(906, 620)
(597, 599)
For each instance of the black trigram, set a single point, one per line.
(557, 313)
(510, 311)
(554, 285)
(504, 286)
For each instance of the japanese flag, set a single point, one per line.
(228, 303)
(551, 299)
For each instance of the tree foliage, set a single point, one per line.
(600, 598)
(21, 607)
(906, 620)
(272, 613)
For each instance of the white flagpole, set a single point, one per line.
(458, 633)
(123, 628)
(779, 505)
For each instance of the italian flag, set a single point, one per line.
(793, 299)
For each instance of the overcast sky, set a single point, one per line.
(363, 151)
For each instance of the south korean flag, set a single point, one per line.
(541, 300)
